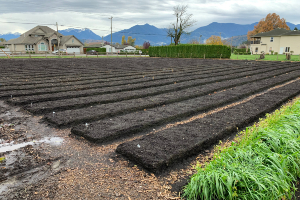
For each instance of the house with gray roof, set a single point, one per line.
(278, 40)
(41, 39)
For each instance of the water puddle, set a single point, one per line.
(5, 147)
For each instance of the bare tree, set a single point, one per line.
(193, 41)
(183, 21)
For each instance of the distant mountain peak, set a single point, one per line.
(158, 36)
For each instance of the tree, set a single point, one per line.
(216, 40)
(296, 29)
(183, 22)
(225, 42)
(131, 41)
(271, 22)
(123, 40)
(107, 42)
(2, 40)
(146, 45)
(193, 41)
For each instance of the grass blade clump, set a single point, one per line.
(262, 164)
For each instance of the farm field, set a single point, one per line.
(158, 111)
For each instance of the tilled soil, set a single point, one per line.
(163, 115)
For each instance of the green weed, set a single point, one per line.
(263, 163)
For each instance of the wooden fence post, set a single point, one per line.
(46, 54)
(126, 54)
(74, 54)
(204, 56)
(221, 57)
(86, 54)
(140, 55)
(133, 54)
(106, 54)
(97, 54)
(29, 55)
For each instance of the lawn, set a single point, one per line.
(267, 57)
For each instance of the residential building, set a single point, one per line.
(41, 39)
(278, 40)
(114, 48)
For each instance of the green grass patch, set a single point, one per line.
(262, 163)
(267, 57)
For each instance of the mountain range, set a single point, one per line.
(158, 36)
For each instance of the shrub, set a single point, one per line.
(96, 49)
(275, 53)
(240, 51)
(272, 52)
(190, 51)
(267, 54)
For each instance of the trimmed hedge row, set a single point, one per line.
(96, 49)
(191, 51)
(241, 52)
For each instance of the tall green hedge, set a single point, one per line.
(190, 51)
(96, 49)
(2, 47)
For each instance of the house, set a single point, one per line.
(114, 48)
(124, 48)
(41, 39)
(278, 40)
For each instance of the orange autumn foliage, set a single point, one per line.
(216, 40)
(271, 22)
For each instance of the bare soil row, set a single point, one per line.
(115, 99)
(158, 151)
(145, 120)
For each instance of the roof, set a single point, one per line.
(94, 45)
(33, 36)
(45, 29)
(273, 33)
(65, 39)
(120, 46)
(294, 32)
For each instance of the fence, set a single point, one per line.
(22, 54)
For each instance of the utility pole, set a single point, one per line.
(57, 35)
(110, 34)
(200, 39)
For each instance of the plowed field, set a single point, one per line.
(164, 110)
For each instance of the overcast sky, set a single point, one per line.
(94, 14)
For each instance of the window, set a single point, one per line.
(271, 39)
(270, 49)
(29, 47)
(42, 47)
(72, 40)
(256, 49)
(287, 49)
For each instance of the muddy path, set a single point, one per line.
(41, 162)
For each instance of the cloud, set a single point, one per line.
(94, 14)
